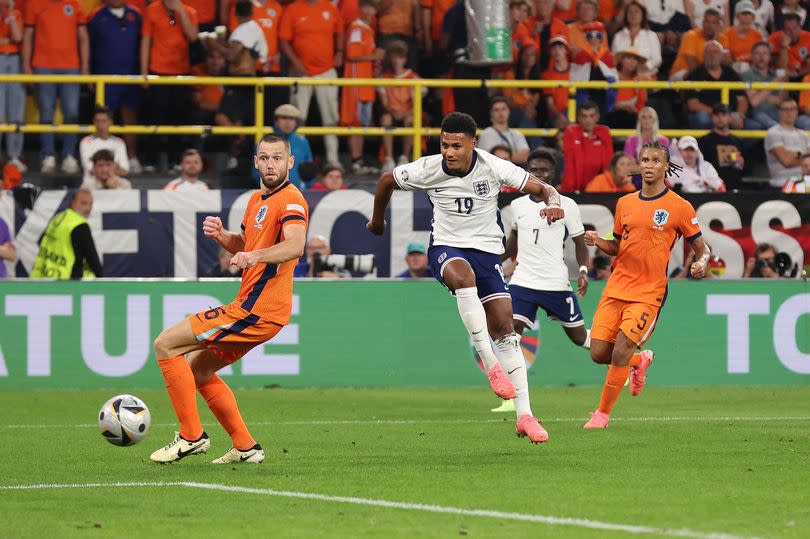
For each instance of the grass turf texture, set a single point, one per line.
(737, 476)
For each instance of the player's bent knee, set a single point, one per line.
(601, 352)
(161, 345)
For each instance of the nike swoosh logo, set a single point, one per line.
(574, 317)
(181, 453)
(243, 459)
(438, 190)
(513, 370)
(477, 332)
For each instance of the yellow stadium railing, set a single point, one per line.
(418, 131)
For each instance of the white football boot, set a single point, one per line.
(254, 455)
(181, 448)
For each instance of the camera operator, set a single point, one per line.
(763, 264)
(321, 263)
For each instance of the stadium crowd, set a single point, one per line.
(697, 40)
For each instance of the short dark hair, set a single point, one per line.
(103, 155)
(545, 154)
(397, 48)
(101, 109)
(791, 15)
(763, 43)
(329, 168)
(498, 99)
(711, 11)
(503, 148)
(762, 247)
(190, 151)
(372, 3)
(459, 122)
(588, 105)
(271, 138)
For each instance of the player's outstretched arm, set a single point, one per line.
(609, 247)
(545, 192)
(230, 241)
(295, 238)
(382, 196)
(582, 259)
(702, 254)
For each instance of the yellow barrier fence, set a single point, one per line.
(418, 131)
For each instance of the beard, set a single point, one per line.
(269, 183)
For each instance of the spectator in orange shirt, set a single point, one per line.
(543, 27)
(690, 53)
(169, 28)
(629, 101)
(616, 179)
(565, 10)
(587, 13)
(207, 11)
(557, 98)
(207, 97)
(432, 17)
(400, 20)
(356, 102)
(55, 41)
(12, 95)
(311, 37)
(791, 46)
(518, 13)
(742, 36)
(396, 102)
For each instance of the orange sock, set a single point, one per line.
(180, 384)
(635, 361)
(221, 401)
(616, 376)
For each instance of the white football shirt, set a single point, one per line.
(465, 208)
(540, 263)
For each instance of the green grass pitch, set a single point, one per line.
(686, 462)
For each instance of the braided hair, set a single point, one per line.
(672, 168)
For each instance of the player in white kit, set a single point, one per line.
(540, 278)
(466, 242)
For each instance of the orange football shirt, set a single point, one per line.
(437, 10)
(56, 25)
(267, 288)
(169, 47)
(5, 32)
(797, 52)
(647, 228)
(311, 30)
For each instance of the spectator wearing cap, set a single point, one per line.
(55, 42)
(722, 149)
(696, 10)
(543, 27)
(629, 101)
(785, 145)
(115, 39)
(311, 38)
(698, 175)
(587, 147)
(104, 175)
(594, 62)
(616, 179)
(285, 125)
(331, 180)
(790, 46)
(693, 44)
(499, 133)
(699, 103)
(417, 261)
(635, 34)
(742, 36)
(556, 99)
(763, 111)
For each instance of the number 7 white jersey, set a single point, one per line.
(540, 261)
(465, 208)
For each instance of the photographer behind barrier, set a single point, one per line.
(769, 264)
(321, 263)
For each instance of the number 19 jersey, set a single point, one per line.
(465, 208)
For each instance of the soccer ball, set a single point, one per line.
(124, 420)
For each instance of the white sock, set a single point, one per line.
(587, 343)
(475, 320)
(515, 367)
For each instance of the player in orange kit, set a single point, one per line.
(190, 353)
(646, 225)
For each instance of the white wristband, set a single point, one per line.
(583, 269)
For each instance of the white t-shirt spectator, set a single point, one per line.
(699, 8)
(491, 137)
(661, 12)
(250, 35)
(179, 184)
(794, 141)
(95, 185)
(90, 144)
(646, 41)
(764, 15)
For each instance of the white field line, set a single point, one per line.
(384, 422)
(485, 513)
